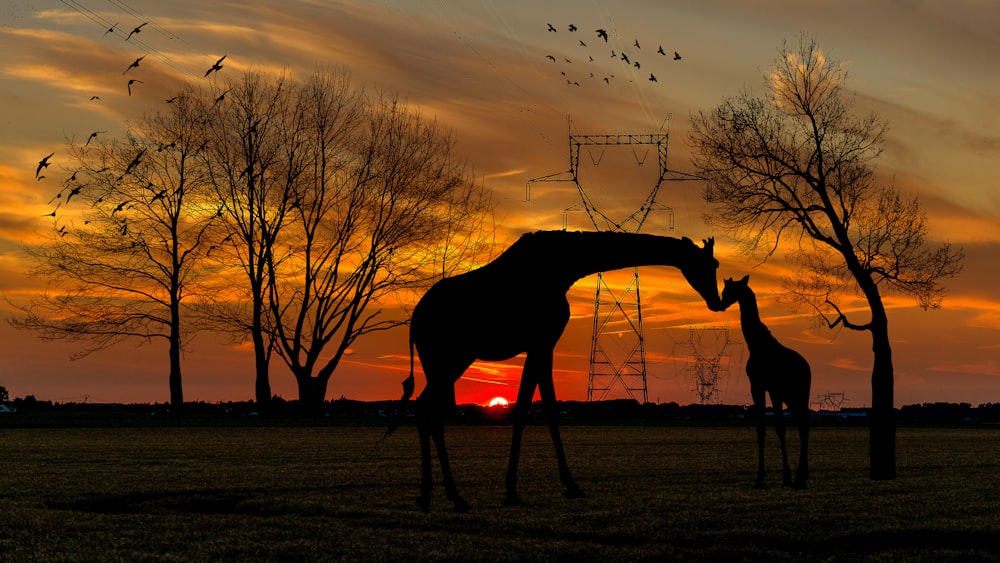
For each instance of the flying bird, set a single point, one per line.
(582, 44)
(91, 138)
(221, 97)
(551, 28)
(652, 78)
(73, 192)
(135, 64)
(215, 67)
(550, 57)
(677, 56)
(572, 27)
(603, 34)
(43, 163)
(95, 97)
(636, 64)
(134, 163)
(625, 58)
(133, 81)
(110, 29)
(661, 51)
(137, 29)
(637, 44)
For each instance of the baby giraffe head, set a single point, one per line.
(733, 291)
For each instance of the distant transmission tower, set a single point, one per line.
(708, 360)
(617, 352)
(830, 401)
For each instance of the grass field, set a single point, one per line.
(654, 493)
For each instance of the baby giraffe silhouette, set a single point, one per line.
(776, 370)
(517, 304)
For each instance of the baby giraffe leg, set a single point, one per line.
(760, 409)
(779, 428)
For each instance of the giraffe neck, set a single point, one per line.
(562, 257)
(754, 330)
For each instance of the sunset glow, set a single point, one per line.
(511, 92)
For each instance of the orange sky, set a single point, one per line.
(481, 68)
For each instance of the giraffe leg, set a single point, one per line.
(779, 429)
(426, 480)
(548, 392)
(802, 474)
(524, 395)
(437, 433)
(760, 408)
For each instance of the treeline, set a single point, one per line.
(621, 410)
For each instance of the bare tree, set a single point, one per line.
(381, 197)
(252, 161)
(798, 162)
(334, 200)
(129, 235)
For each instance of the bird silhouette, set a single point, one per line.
(661, 51)
(215, 67)
(91, 138)
(135, 64)
(110, 29)
(625, 58)
(636, 64)
(137, 29)
(677, 56)
(221, 97)
(134, 163)
(43, 163)
(74, 192)
(652, 78)
(637, 44)
(550, 57)
(95, 97)
(130, 82)
(603, 34)
(606, 81)
(582, 44)
(572, 27)
(551, 28)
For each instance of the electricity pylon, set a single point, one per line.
(617, 352)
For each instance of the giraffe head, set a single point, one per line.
(733, 291)
(700, 270)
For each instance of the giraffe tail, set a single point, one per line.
(408, 387)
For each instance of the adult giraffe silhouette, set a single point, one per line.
(776, 370)
(517, 304)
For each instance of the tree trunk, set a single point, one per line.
(176, 389)
(881, 416)
(262, 387)
(312, 393)
(262, 383)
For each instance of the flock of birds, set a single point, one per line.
(631, 61)
(72, 186)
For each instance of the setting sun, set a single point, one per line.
(497, 402)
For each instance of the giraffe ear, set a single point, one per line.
(709, 244)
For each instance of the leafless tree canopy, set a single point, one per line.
(797, 163)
